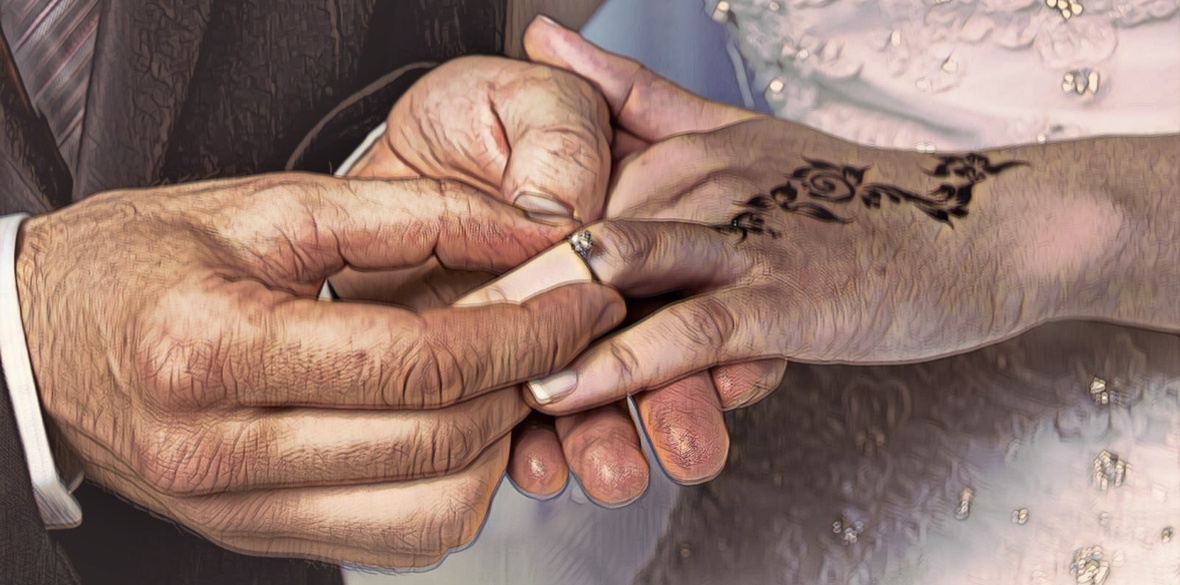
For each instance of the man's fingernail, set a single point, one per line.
(547, 20)
(554, 388)
(547, 219)
(539, 205)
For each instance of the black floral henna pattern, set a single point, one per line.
(810, 191)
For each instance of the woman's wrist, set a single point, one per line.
(1065, 263)
(1134, 277)
(1038, 235)
(1104, 246)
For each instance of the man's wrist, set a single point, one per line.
(29, 287)
(58, 508)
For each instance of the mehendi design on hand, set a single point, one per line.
(810, 190)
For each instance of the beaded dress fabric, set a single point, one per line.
(1011, 465)
(963, 74)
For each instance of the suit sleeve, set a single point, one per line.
(33, 179)
(336, 136)
(28, 555)
(33, 176)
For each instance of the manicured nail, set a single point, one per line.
(539, 205)
(554, 388)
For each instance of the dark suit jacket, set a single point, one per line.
(195, 89)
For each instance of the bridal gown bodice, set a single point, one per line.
(1010, 465)
(963, 74)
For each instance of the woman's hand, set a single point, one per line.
(797, 245)
(683, 421)
(809, 283)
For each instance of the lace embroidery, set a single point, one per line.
(796, 47)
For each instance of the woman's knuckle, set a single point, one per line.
(710, 323)
(623, 244)
(628, 363)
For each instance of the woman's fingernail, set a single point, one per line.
(540, 205)
(553, 388)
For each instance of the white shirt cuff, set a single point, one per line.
(58, 508)
(360, 151)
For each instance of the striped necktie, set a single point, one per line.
(52, 43)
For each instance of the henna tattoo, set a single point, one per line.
(746, 223)
(810, 191)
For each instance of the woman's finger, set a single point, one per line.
(603, 450)
(684, 423)
(537, 466)
(743, 384)
(709, 330)
(426, 286)
(645, 104)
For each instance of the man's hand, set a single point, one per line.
(538, 136)
(528, 134)
(180, 350)
(645, 107)
(535, 136)
(683, 421)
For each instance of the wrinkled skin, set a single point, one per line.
(208, 384)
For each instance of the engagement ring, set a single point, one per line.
(582, 243)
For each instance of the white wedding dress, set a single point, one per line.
(1010, 465)
(964, 74)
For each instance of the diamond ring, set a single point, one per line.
(582, 243)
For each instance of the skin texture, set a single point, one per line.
(690, 444)
(892, 284)
(510, 128)
(217, 413)
(571, 13)
(1083, 231)
(468, 121)
(209, 385)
